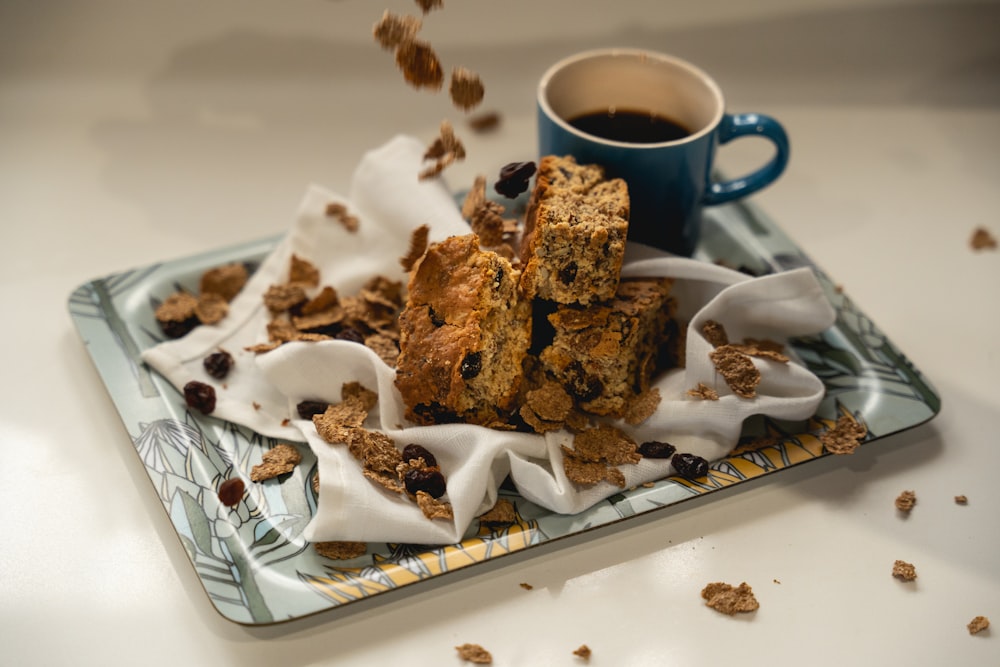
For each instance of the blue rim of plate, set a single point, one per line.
(252, 560)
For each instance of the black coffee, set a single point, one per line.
(628, 126)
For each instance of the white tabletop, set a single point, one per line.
(136, 132)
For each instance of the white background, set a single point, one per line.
(135, 132)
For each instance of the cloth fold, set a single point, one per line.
(390, 202)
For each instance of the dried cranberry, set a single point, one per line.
(514, 179)
(471, 365)
(218, 364)
(657, 450)
(308, 409)
(412, 452)
(200, 396)
(690, 466)
(428, 480)
(231, 492)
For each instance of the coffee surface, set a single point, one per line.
(630, 126)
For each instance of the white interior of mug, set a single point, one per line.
(643, 81)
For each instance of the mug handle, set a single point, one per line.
(734, 126)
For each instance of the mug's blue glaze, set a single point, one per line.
(670, 182)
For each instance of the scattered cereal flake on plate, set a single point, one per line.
(726, 599)
(340, 550)
(583, 652)
(961, 500)
(420, 65)
(278, 460)
(526, 586)
(845, 436)
(418, 246)
(905, 501)
(392, 29)
(982, 239)
(474, 653)
(466, 89)
(903, 570)
(737, 370)
(978, 624)
(703, 392)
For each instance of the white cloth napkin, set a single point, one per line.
(385, 194)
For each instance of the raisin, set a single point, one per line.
(351, 334)
(412, 451)
(567, 274)
(172, 329)
(657, 450)
(200, 396)
(580, 384)
(307, 409)
(690, 466)
(514, 179)
(428, 480)
(231, 492)
(471, 365)
(436, 319)
(218, 364)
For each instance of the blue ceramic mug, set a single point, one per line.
(655, 121)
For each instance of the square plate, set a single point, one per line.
(253, 562)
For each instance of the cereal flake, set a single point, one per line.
(466, 89)
(393, 29)
(211, 308)
(703, 392)
(278, 460)
(643, 406)
(501, 515)
(420, 65)
(444, 150)
(729, 600)
(340, 550)
(978, 624)
(418, 246)
(434, 508)
(845, 437)
(226, 281)
(903, 570)
(715, 333)
(474, 653)
(905, 501)
(583, 652)
(983, 239)
(737, 370)
(961, 500)
(339, 212)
